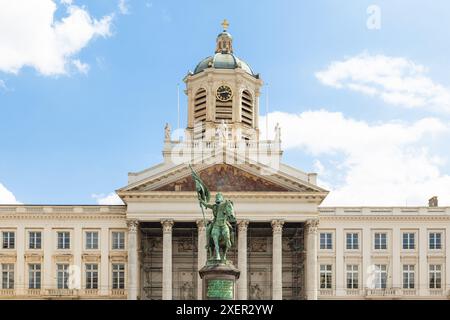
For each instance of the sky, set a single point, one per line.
(361, 90)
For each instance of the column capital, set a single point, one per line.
(277, 226)
(200, 225)
(243, 225)
(167, 225)
(311, 225)
(132, 225)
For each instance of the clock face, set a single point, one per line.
(224, 93)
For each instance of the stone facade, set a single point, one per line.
(287, 245)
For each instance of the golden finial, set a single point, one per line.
(225, 24)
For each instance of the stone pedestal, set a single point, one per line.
(219, 280)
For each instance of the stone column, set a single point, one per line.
(201, 255)
(133, 269)
(242, 260)
(167, 260)
(277, 261)
(311, 259)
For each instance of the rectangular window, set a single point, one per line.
(408, 276)
(8, 239)
(352, 241)
(34, 276)
(91, 240)
(35, 240)
(352, 276)
(409, 241)
(62, 275)
(118, 240)
(326, 241)
(380, 241)
(435, 276)
(380, 276)
(326, 276)
(435, 240)
(118, 276)
(7, 276)
(91, 276)
(64, 240)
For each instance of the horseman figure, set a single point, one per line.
(219, 231)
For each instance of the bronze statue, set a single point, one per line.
(219, 231)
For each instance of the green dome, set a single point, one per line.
(223, 61)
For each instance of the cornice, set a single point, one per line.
(183, 195)
(402, 218)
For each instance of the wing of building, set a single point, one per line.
(287, 246)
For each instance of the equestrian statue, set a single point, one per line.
(219, 230)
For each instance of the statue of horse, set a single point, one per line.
(219, 232)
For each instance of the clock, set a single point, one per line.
(224, 93)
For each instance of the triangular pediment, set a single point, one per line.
(223, 177)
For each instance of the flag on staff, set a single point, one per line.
(200, 187)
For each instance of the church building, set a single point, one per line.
(287, 246)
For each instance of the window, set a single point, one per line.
(7, 276)
(34, 276)
(92, 276)
(409, 241)
(380, 276)
(435, 239)
(326, 241)
(118, 276)
(326, 276)
(380, 241)
(64, 240)
(352, 241)
(408, 276)
(34, 240)
(8, 239)
(118, 242)
(435, 276)
(352, 276)
(62, 275)
(91, 240)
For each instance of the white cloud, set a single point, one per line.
(396, 80)
(369, 164)
(30, 35)
(123, 7)
(110, 199)
(6, 196)
(80, 66)
(3, 85)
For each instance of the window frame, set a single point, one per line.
(91, 281)
(375, 242)
(435, 275)
(441, 240)
(37, 276)
(328, 240)
(35, 239)
(118, 277)
(409, 274)
(6, 242)
(113, 241)
(68, 241)
(352, 276)
(381, 275)
(7, 275)
(94, 240)
(408, 240)
(358, 238)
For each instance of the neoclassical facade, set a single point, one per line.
(287, 246)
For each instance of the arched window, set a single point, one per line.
(247, 108)
(199, 113)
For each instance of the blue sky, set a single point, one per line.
(84, 100)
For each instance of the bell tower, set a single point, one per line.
(223, 96)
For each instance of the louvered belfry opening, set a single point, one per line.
(224, 110)
(247, 108)
(199, 113)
